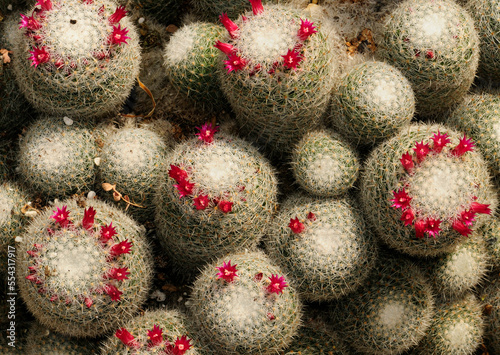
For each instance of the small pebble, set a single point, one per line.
(68, 120)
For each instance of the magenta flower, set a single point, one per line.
(407, 216)
(39, 56)
(185, 188)
(127, 338)
(119, 13)
(226, 48)
(465, 145)
(461, 228)
(480, 208)
(177, 173)
(121, 248)
(230, 26)
(88, 218)
(407, 162)
(401, 199)
(29, 22)
(119, 274)
(422, 150)
(107, 232)
(119, 35)
(291, 59)
(155, 335)
(46, 5)
(180, 346)
(432, 226)
(277, 284)
(440, 141)
(467, 217)
(235, 63)
(306, 29)
(227, 271)
(61, 216)
(311, 216)
(420, 227)
(296, 226)
(88, 302)
(201, 202)
(113, 292)
(257, 7)
(207, 132)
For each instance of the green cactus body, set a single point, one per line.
(132, 159)
(248, 309)
(425, 189)
(81, 273)
(478, 116)
(323, 244)
(220, 200)
(490, 296)
(146, 339)
(77, 58)
(313, 339)
(435, 45)
(56, 157)
(390, 313)
(191, 64)
(324, 164)
(373, 102)
(456, 328)
(277, 79)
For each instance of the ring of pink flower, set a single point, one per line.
(41, 55)
(462, 222)
(155, 340)
(235, 62)
(104, 234)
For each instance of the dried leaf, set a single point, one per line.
(117, 196)
(107, 187)
(172, 28)
(126, 198)
(5, 55)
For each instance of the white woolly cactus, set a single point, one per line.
(218, 197)
(82, 270)
(56, 156)
(435, 45)
(425, 189)
(279, 73)
(373, 101)
(324, 164)
(323, 245)
(76, 57)
(242, 304)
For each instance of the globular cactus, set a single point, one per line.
(372, 103)
(279, 71)
(56, 156)
(323, 245)
(435, 45)
(242, 304)
(210, 10)
(457, 328)
(78, 58)
(191, 64)
(390, 313)
(218, 197)
(82, 271)
(490, 296)
(324, 164)
(131, 161)
(157, 331)
(426, 189)
(164, 11)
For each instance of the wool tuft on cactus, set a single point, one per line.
(76, 57)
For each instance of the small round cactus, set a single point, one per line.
(373, 102)
(324, 164)
(76, 57)
(490, 296)
(323, 245)
(153, 332)
(81, 271)
(390, 313)
(435, 45)
(56, 156)
(425, 190)
(242, 304)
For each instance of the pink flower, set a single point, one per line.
(119, 35)
(420, 226)
(121, 248)
(432, 226)
(201, 202)
(119, 13)
(230, 26)
(291, 59)
(296, 226)
(119, 274)
(107, 232)
(257, 7)
(258, 277)
(480, 208)
(177, 173)
(88, 302)
(465, 145)
(112, 292)
(461, 228)
(39, 56)
(180, 346)
(235, 63)
(227, 271)
(29, 22)
(225, 206)
(422, 150)
(311, 216)
(127, 338)
(277, 284)
(467, 217)
(401, 199)
(185, 188)
(207, 132)
(155, 335)
(226, 48)
(440, 141)
(61, 216)
(407, 217)
(46, 5)
(306, 29)
(88, 218)
(407, 162)
(429, 54)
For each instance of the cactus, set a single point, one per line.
(219, 195)
(8, 7)
(324, 164)
(425, 189)
(390, 313)
(373, 102)
(76, 58)
(150, 333)
(164, 11)
(477, 115)
(82, 271)
(210, 10)
(242, 304)
(279, 72)
(131, 160)
(490, 296)
(456, 328)
(492, 236)
(56, 156)
(323, 244)
(435, 45)
(191, 64)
